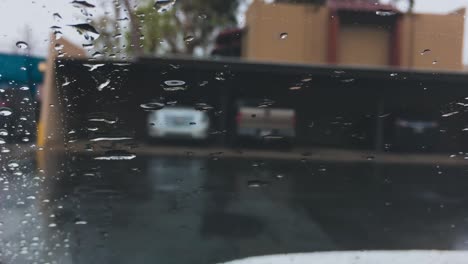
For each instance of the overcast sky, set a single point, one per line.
(19, 16)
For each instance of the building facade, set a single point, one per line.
(353, 33)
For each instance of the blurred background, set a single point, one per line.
(132, 131)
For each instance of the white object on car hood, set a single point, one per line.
(363, 257)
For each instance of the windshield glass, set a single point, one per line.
(209, 131)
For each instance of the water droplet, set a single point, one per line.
(434, 62)
(88, 45)
(93, 67)
(58, 46)
(203, 107)
(174, 83)
(104, 120)
(103, 85)
(189, 38)
(5, 150)
(24, 251)
(350, 80)
(272, 137)
(3, 132)
(152, 106)
(283, 35)
(13, 164)
(24, 88)
(450, 114)
(256, 183)
(174, 88)
(116, 155)
(110, 139)
(57, 16)
(163, 5)
(97, 54)
(294, 88)
(22, 45)
(385, 12)
(52, 225)
(425, 51)
(85, 29)
(220, 76)
(279, 176)
(393, 74)
(25, 139)
(82, 4)
(81, 222)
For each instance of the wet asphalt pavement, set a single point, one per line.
(156, 209)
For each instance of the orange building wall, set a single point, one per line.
(307, 41)
(363, 45)
(441, 34)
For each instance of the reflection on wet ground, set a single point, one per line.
(213, 209)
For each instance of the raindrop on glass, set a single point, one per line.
(5, 111)
(425, 51)
(450, 114)
(174, 83)
(174, 88)
(22, 45)
(103, 85)
(189, 38)
(93, 67)
(58, 46)
(13, 164)
(163, 5)
(152, 106)
(82, 4)
(283, 35)
(97, 54)
(384, 12)
(57, 16)
(256, 183)
(203, 107)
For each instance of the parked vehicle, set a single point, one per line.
(265, 122)
(178, 122)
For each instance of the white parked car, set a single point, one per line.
(178, 122)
